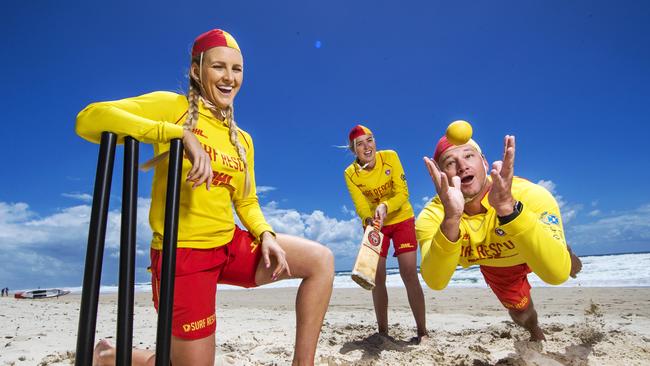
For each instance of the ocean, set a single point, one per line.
(614, 270)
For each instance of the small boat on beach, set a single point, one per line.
(41, 293)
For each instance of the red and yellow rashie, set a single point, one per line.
(385, 183)
(206, 217)
(211, 248)
(534, 238)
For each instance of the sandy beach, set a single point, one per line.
(584, 326)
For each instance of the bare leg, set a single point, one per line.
(380, 297)
(198, 352)
(104, 355)
(183, 352)
(313, 263)
(308, 260)
(528, 320)
(408, 271)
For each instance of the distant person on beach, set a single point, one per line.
(377, 185)
(507, 225)
(218, 164)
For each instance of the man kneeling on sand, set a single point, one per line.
(507, 225)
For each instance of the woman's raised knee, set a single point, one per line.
(320, 262)
(326, 261)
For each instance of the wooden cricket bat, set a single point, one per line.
(365, 267)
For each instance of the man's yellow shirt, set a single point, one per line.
(535, 237)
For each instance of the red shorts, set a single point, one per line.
(403, 235)
(195, 286)
(510, 284)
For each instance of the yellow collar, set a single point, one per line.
(208, 113)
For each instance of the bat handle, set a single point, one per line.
(375, 224)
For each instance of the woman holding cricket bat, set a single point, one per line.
(218, 165)
(377, 185)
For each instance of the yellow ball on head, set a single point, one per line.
(459, 132)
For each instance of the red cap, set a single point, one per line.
(444, 145)
(213, 38)
(357, 131)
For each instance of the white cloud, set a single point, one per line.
(569, 211)
(549, 185)
(85, 197)
(13, 212)
(594, 213)
(56, 244)
(38, 267)
(264, 189)
(419, 205)
(616, 229)
(19, 226)
(341, 236)
(348, 211)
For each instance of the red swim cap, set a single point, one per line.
(357, 131)
(213, 38)
(444, 145)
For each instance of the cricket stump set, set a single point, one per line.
(95, 252)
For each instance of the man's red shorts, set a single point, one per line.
(510, 284)
(197, 273)
(403, 235)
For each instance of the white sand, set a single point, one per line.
(584, 326)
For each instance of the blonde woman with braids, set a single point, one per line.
(377, 185)
(218, 165)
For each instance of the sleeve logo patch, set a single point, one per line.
(549, 219)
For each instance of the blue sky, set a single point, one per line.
(569, 79)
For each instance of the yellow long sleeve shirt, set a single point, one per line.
(535, 237)
(385, 183)
(206, 218)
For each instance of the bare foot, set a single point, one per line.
(104, 354)
(421, 340)
(537, 335)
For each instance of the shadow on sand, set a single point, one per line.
(372, 346)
